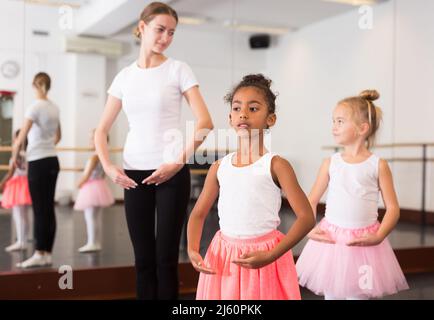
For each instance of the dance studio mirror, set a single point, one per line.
(316, 52)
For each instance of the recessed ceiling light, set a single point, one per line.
(191, 20)
(257, 28)
(57, 3)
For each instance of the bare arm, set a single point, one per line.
(112, 108)
(320, 185)
(111, 111)
(299, 203)
(318, 189)
(58, 135)
(197, 218)
(91, 164)
(19, 141)
(390, 200)
(7, 176)
(203, 122)
(202, 127)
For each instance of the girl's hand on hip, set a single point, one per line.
(198, 263)
(254, 260)
(163, 173)
(119, 177)
(371, 239)
(320, 235)
(14, 160)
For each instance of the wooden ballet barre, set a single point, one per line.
(199, 172)
(410, 159)
(66, 149)
(72, 169)
(114, 149)
(6, 168)
(84, 149)
(389, 145)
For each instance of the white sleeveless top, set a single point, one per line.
(249, 200)
(352, 199)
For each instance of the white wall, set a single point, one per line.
(414, 95)
(325, 62)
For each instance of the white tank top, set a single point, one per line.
(249, 200)
(352, 199)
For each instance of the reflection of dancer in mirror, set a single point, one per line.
(16, 196)
(249, 258)
(93, 196)
(42, 129)
(154, 174)
(348, 255)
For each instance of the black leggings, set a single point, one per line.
(156, 254)
(42, 184)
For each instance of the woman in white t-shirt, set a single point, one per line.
(42, 129)
(154, 174)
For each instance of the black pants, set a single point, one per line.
(42, 184)
(156, 254)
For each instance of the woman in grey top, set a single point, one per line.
(42, 129)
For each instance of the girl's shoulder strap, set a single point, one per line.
(224, 165)
(374, 160)
(268, 157)
(226, 159)
(335, 158)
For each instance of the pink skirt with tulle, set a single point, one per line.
(275, 281)
(16, 192)
(342, 271)
(94, 193)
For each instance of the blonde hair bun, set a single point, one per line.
(370, 95)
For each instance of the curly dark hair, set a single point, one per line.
(260, 82)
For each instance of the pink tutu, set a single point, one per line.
(276, 281)
(94, 193)
(16, 192)
(342, 271)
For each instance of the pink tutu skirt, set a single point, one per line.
(94, 193)
(16, 192)
(275, 281)
(342, 271)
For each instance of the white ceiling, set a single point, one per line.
(293, 14)
(58, 3)
(122, 14)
